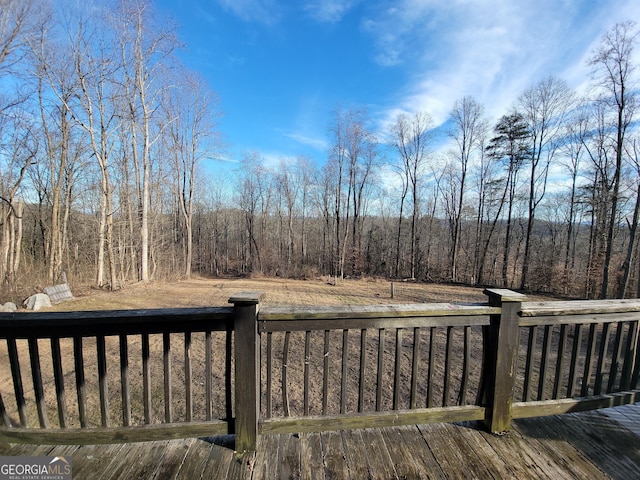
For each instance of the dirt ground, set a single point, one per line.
(202, 292)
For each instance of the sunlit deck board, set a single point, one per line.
(596, 444)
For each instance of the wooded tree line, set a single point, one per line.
(103, 134)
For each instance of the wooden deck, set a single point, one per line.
(596, 444)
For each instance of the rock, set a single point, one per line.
(37, 301)
(9, 307)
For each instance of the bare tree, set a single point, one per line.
(613, 72)
(410, 135)
(191, 109)
(467, 116)
(544, 107)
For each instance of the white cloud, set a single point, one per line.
(261, 11)
(314, 142)
(329, 11)
(490, 49)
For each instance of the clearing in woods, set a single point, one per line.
(201, 292)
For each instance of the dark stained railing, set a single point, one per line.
(125, 376)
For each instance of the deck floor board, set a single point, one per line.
(598, 444)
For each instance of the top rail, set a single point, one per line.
(295, 318)
(113, 322)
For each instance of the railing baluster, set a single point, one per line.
(345, 371)
(447, 366)
(466, 360)
(414, 367)
(560, 361)
(188, 384)
(363, 356)
(325, 374)
(380, 374)
(17, 381)
(78, 356)
(615, 358)
(269, 375)
(629, 356)
(602, 357)
(102, 380)
(307, 359)
(146, 379)
(432, 358)
(531, 348)
(575, 352)
(208, 381)
(544, 360)
(124, 381)
(588, 366)
(285, 366)
(38, 390)
(168, 384)
(396, 370)
(61, 399)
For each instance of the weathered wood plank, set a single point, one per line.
(356, 454)
(361, 375)
(38, 389)
(97, 435)
(195, 460)
(562, 347)
(343, 376)
(447, 369)
(544, 361)
(310, 312)
(573, 369)
(590, 318)
(208, 372)
(398, 443)
(90, 461)
(307, 360)
(609, 446)
(396, 370)
(378, 457)
(415, 360)
(616, 357)
(567, 405)
(301, 325)
(325, 374)
(445, 444)
(335, 463)
(552, 442)
(311, 451)
(289, 456)
(172, 459)
(371, 420)
(576, 307)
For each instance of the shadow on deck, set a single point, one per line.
(595, 444)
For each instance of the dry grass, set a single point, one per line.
(202, 292)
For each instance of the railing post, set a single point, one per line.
(247, 369)
(501, 358)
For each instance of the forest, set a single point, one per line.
(104, 134)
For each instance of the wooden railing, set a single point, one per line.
(151, 374)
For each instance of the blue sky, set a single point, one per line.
(281, 68)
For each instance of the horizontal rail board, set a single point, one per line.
(362, 323)
(372, 420)
(579, 319)
(569, 405)
(373, 311)
(577, 307)
(113, 322)
(94, 436)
